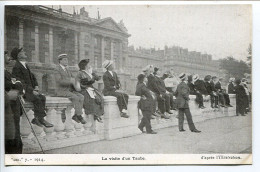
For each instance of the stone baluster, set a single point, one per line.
(59, 125)
(39, 133)
(69, 126)
(90, 126)
(50, 131)
(25, 127)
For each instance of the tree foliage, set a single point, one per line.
(234, 68)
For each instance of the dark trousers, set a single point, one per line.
(213, 100)
(38, 104)
(226, 97)
(16, 144)
(164, 102)
(221, 98)
(146, 121)
(199, 99)
(122, 100)
(185, 111)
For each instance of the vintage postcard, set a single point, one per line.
(127, 84)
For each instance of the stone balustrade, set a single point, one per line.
(69, 133)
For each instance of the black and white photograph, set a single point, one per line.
(118, 82)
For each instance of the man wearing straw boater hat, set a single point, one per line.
(182, 101)
(112, 86)
(66, 88)
(22, 72)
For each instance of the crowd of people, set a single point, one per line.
(160, 94)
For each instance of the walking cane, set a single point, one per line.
(23, 109)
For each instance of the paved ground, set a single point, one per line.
(221, 135)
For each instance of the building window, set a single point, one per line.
(46, 37)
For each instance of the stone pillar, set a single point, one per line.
(36, 58)
(76, 51)
(81, 45)
(120, 56)
(21, 33)
(92, 48)
(50, 59)
(102, 49)
(112, 49)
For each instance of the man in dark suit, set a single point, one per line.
(65, 88)
(222, 91)
(210, 91)
(217, 89)
(112, 86)
(13, 88)
(182, 101)
(22, 72)
(194, 91)
(154, 84)
(146, 104)
(231, 86)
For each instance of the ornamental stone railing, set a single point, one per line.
(70, 133)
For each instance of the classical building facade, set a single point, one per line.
(45, 33)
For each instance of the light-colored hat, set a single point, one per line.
(147, 68)
(231, 79)
(182, 76)
(61, 56)
(195, 77)
(107, 63)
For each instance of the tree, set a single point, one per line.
(234, 68)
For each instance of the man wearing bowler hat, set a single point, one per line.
(112, 86)
(182, 101)
(65, 88)
(22, 72)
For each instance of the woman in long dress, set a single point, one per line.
(93, 99)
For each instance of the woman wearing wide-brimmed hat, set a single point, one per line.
(93, 99)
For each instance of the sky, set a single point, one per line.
(220, 30)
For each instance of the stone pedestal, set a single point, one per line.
(115, 125)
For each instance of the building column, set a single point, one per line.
(92, 49)
(21, 23)
(50, 59)
(102, 49)
(112, 49)
(81, 46)
(36, 58)
(120, 56)
(76, 48)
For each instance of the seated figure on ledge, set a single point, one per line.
(22, 72)
(66, 88)
(93, 99)
(112, 86)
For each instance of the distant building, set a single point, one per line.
(45, 33)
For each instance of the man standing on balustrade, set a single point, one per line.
(22, 72)
(112, 86)
(66, 88)
(182, 101)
